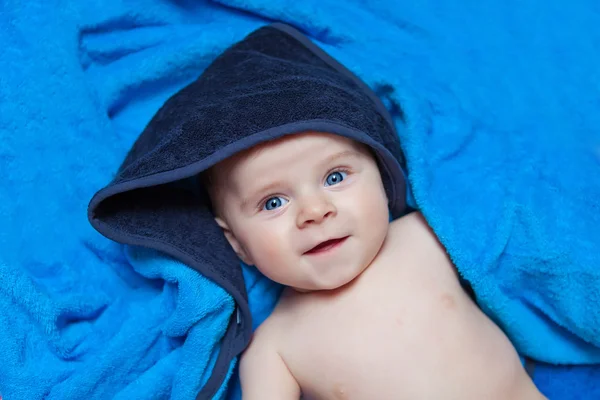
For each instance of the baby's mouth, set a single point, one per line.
(326, 245)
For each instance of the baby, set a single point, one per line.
(373, 309)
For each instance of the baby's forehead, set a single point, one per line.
(307, 147)
(291, 144)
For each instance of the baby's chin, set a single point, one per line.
(326, 286)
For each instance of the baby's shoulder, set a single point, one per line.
(412, 245)
(292, 313)
(409, 233)
(287, 310)
(266, 336)
(410, 223)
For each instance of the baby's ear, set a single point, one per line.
(235, 244)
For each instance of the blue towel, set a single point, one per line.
(502, 150)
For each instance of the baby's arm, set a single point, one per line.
(263, 373)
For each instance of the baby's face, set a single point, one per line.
(309, 210)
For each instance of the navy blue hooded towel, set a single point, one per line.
(274, 82)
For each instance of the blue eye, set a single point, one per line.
(274, 202)
(335, 177)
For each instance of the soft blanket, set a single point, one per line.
(503, 156)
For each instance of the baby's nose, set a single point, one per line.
(315, 211)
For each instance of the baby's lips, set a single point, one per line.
(326, 243)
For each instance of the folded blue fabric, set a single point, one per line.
(502, 148)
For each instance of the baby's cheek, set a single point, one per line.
(266, 247)
(269, 260)
(271, 248)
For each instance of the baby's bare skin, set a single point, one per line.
(374, 310)
(403, 329)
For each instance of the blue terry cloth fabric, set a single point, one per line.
(78, 321)
(210, 306)
(568, 382)
(502, 145)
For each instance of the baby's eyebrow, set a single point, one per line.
(341, 154)
(272, 186)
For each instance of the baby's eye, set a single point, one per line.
(274, 202)
(335, 177)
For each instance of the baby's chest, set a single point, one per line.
(352, 346)
(369, 319)
(339, 353)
